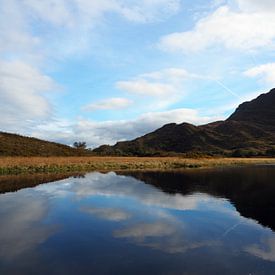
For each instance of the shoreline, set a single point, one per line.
(33, 165)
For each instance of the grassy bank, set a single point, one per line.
(16, 165)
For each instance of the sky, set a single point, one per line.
(112, 70)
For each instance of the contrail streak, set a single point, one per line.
(227, 89)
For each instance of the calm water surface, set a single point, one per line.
(193, 222)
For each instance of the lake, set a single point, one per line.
(214, 221)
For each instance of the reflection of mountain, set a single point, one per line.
(12, 183)
(118, 224)
(149, 218)
(251, 190)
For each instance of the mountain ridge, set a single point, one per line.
(249, 131)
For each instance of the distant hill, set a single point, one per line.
(16, 145)
(249, 131)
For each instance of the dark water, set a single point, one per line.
(202, 222)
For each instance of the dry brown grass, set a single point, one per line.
(63, 164)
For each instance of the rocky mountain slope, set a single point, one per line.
(249, 131)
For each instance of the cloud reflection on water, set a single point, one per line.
(264, 250)
(112, 185)
(110, 214)
(140, 214)
(21, 229)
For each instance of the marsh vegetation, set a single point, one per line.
(14, 165)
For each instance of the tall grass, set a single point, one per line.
(15, 165)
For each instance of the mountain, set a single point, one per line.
(260, 110)
(249, 131)
(16, 145)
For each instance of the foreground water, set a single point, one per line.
(194, 222)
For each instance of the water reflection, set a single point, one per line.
(251, 190)
(13, 183)
(21, 229)
(265, 249)
(141, 223)
(110, 214)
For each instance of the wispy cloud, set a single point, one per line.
(264, 72)
(36, 34)
(145, 88)
(165, 87)
(109, 104)
(45, 45)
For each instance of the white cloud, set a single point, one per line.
(109, 132)
(35, 33)
(265, 72)
(115, 103)
(16, 38)
(162, 83)
(22, 94)
(69, 27)
(256, 5)
(225, 27)
(143, 87)
(78, 17)
(165, 87)
(57, 28)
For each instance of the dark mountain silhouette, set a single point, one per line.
(249, 131)
(16, 145)
(260, 110)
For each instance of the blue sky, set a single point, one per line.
(103, 71)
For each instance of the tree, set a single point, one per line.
(80, 145)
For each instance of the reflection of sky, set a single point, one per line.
(86, 213)
(112, 187)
